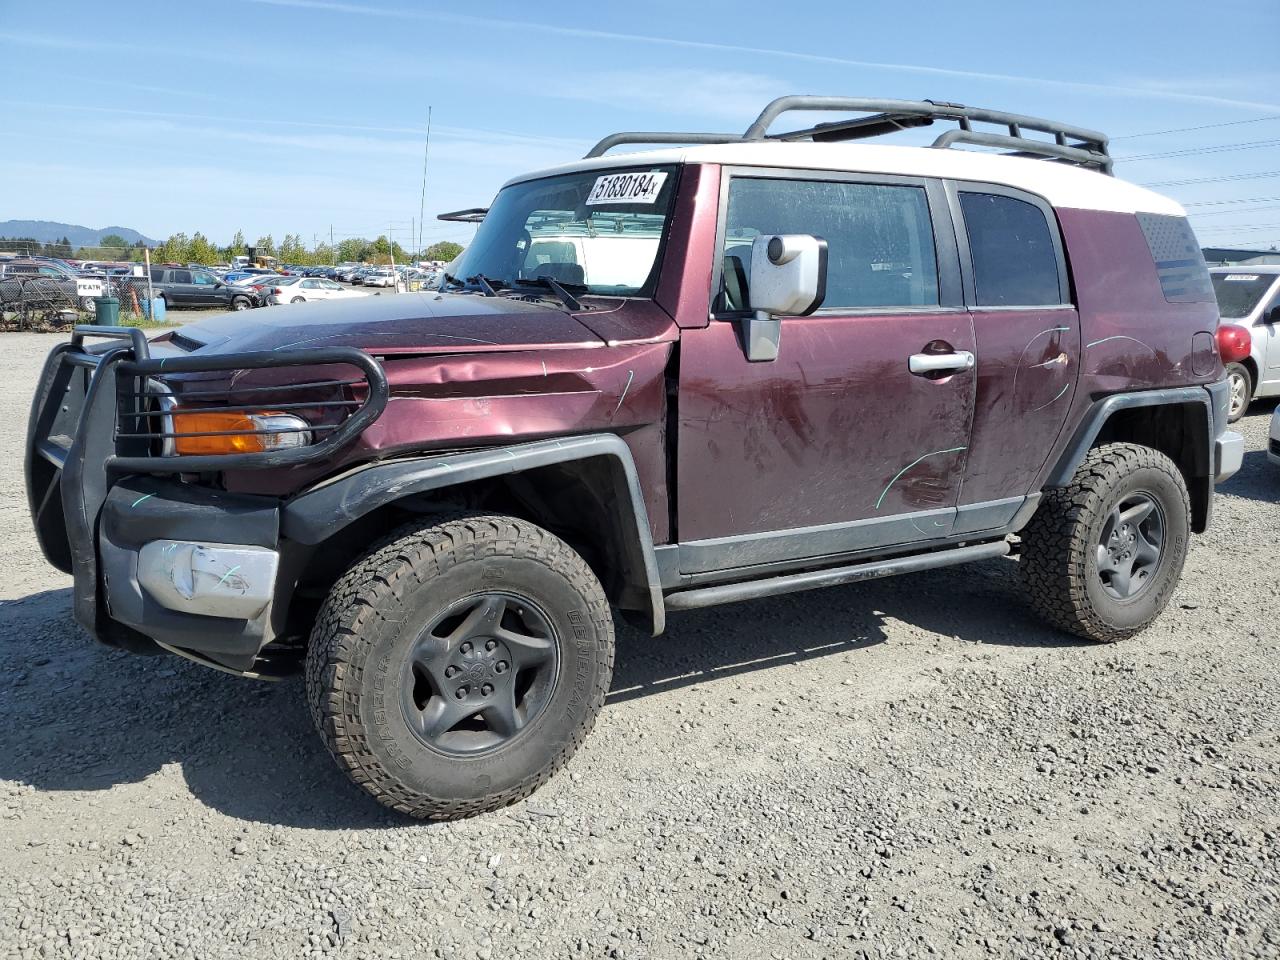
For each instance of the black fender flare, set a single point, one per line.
(1197, 461)
(1097, 415)
(321, 511)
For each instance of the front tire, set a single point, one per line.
(1102, 555)
(1241, 392)
(240, 303)
(456, 667)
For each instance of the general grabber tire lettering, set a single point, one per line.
(1102, 555)
(459, 664)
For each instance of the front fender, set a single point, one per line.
(318, 513)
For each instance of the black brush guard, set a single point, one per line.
(76, 449)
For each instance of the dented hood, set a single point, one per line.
(404, 323)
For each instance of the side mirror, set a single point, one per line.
(788, 279)
(1272, 315)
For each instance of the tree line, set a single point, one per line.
(197, 248)
(179, 248)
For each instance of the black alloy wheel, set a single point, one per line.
(481, 672)
(1129, 549)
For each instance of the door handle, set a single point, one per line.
(922, 363)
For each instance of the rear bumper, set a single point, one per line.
(1228, 446)
(1228, 455)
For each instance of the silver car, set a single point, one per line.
(1273, 441)
(1249, 296)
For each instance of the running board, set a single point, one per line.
(812, 580)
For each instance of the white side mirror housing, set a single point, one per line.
(788, 279)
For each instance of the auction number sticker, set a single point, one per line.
(1247, 277)
(627, 188)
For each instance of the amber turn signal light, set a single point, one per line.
(205, 434)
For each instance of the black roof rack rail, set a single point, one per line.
(470, 215)
(1070, 144)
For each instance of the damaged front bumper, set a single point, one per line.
(159, 562)
(192, 569)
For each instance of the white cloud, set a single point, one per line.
(710, 93)
(495, 23)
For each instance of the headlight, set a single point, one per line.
(198, 433)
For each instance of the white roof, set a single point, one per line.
(1061, 184)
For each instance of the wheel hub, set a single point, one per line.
(479, 668)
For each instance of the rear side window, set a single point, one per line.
(879, 238)
(1015, 261)
(182, 276)
(1184, 276)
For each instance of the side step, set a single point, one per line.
(812, 580)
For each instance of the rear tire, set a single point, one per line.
(298, 300)
(456, 667)
(1102, 555)
(1241, 391)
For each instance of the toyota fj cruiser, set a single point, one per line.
(738, 366)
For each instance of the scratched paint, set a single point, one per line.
(898, 476)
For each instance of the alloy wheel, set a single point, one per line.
(480, 673)
(1129, 549)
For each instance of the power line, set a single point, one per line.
(1222, 179)
(1216, 148)
(1219, 203)
(1206, 126)
(1233, 213)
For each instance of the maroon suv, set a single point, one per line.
(765, 363)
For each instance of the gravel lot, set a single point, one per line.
(904, 768)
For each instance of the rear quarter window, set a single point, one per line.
(1180, 266)
(1015, 261)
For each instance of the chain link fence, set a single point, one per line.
(43, 288)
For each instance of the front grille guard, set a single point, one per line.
(136, 371)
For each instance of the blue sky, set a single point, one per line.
(294, 116)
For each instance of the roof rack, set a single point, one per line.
(1075, 145)
(470, 215)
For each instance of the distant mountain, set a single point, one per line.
(47, 231)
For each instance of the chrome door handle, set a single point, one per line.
(920, 363)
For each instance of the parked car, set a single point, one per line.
(304, 289)
(1249, 305)
(183, 287)
(386, 277)
(1273, 439)
(844, 362)
(45, 279)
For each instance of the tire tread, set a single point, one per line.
(1055, 544)
(339, 645)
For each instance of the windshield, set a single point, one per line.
(596, 231)
(1239, 293)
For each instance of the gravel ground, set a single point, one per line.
(904, 768)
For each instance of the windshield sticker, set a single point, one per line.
(1247, 277)
(627, 188)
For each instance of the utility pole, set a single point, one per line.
(391, 249)
(422, 201)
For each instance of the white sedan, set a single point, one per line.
(303, 289)
(383, 278)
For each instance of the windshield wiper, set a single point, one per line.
(487, 286)
(550, 283)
